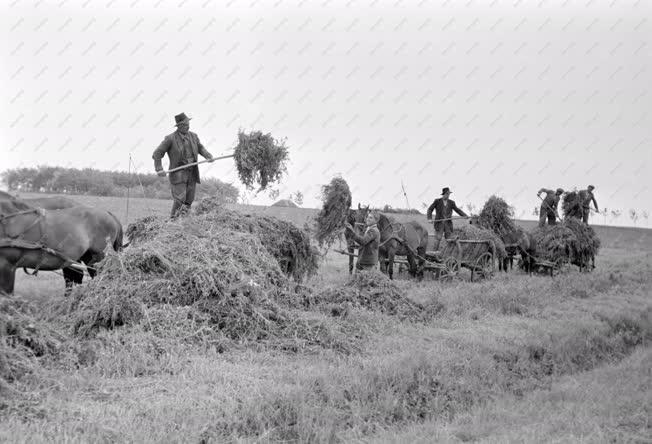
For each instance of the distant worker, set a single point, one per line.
(444, 208)
(549, 206)
(587, 197)
(182, 147)
(369, 242)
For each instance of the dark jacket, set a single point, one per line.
(173, 146)
(587, 197)
(369, 242)
(443, 210)
(549, 203)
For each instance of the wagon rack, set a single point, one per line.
(475, 255)
(549, 266)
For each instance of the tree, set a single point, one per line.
(535, 211)
(298, 197)
(273, 194)
(615, 214)
(633, 215)
(471, 208)
(604, 212)
(645, 216)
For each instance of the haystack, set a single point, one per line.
(219, 264)
(570, 241)
(497, 216)
(571, 204)
(336, 198)
(471, 232)
(260, 159)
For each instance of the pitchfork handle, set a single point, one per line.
(196, 163)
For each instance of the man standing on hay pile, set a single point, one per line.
(369, 242)
(444, 208)
(549, 206)
(182, 147)
(587, 197)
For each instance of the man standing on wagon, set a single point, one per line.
(588, 197)
(444, 208)
(182, 147)
(549, 206)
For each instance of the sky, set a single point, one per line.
(485, 97)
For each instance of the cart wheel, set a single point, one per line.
(451, 268)
(485, 265)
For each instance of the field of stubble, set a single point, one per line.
(517, 358)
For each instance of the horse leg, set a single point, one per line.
(421, 251)
(71, 276)
(412, 265)
(351, 251)
(7, 276)
(390, 263)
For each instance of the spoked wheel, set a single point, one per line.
(484, 265)
(450, 269)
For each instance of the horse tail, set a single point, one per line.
(117, 243)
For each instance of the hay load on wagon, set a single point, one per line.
(470, 232)
(226, 269)
(498, 216)
(568, 242)
(329, 223)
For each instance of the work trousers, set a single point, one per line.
(183, 194)
(544, 214)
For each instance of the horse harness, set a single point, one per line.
(17, 241)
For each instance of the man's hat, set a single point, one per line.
(591, 187)
(445, 190)
(560, 191)
(181, 118)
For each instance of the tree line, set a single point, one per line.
(59, 180)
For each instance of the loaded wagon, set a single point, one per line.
(455, 254)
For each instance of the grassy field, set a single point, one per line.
(517, 358)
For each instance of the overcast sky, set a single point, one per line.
(485, 97)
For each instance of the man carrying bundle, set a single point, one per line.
(444, 208)
(549, 206)
(369, 242)
(586, 197)
(182, 147)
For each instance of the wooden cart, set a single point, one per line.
(455, 254)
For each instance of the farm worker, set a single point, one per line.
(182, 147)
(369, 242)
(549, 206)
(587, 197)
(444, 208)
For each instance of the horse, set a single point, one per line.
(356, 219)
(516, 242)
(49, 240)
(404, 239)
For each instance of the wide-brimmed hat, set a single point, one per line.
(591, 187)
(181, 118)
(445, 190)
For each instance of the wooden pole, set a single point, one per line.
(196, 163)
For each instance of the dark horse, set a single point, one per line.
(408, 239)
(356, 218)
(49, 240)
(516, 242)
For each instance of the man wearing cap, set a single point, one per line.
(369, 242)
(182, 147)
(549, 206)
(444, 208)
(587, 197)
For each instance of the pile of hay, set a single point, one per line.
(471, 232)
(570, 241)
(571, 204)
(260, 159)
(23, 339)
(329, 223)
(145, 228)
(497, 216)
(289, 244)
(218, 266)
(374, 291)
